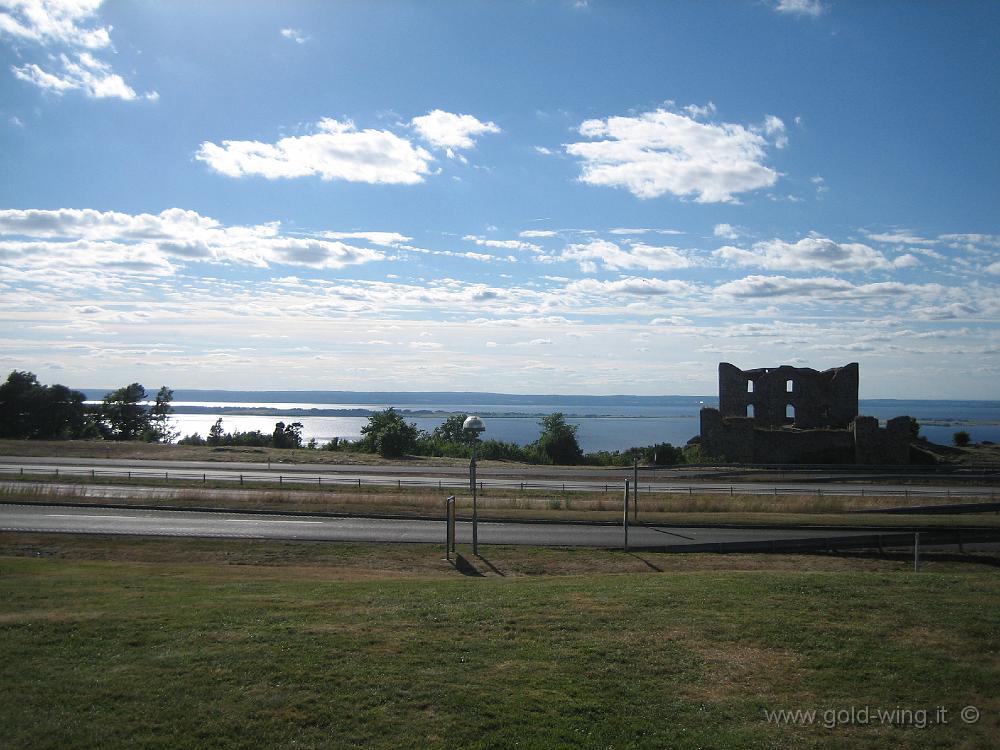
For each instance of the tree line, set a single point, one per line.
(30, 410)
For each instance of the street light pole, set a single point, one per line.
(476, 426)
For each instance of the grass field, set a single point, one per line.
(209, 643)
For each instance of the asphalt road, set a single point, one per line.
(450, 477)
(79, 520)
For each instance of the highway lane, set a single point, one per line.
(449, 478)
(78, 520)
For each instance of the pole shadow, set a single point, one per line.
(464, 567)
(645, 561)
(491, 566)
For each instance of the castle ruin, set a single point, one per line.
(798, 415)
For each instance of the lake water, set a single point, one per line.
(602, 425)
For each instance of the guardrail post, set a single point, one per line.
(916, 551)
(241, 479)
(93, 474)
(204, 478)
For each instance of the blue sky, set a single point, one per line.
(549, 196)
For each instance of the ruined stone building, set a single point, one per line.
(798, 415)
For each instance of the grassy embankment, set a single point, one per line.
(658, 508)
(110, 642)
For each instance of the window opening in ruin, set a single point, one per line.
(749, 410)
(788, 386)
(790, 412)
(749, 386)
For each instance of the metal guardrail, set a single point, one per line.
(553, 486)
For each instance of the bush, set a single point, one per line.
(962, 438)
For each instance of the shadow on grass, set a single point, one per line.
(464, 567)
(492, 567)
(645, 561)
(981, 558)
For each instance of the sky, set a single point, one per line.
(528, 196)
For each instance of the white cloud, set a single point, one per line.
(387, 239)
(811, 254)
(533, 233)
(448, 130)
(157, 243)
(54, 21)
(994, 268)
(88, 74)
(633, 286)
(814, 289)
(63, 23)
(337, 151)
(294, 35)
(503, 244)
(639, 256)
(812, 8)
(662, 152)
(725, 231)
(901, 237)
(627, 231)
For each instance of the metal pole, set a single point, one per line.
(475, 504)
(916, 551)
(635, 490)
(625, 520)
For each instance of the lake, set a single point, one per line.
(605, 423)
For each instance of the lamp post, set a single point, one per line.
(476, 426)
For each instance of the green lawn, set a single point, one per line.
(130, 652)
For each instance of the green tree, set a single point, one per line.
(287, 436)
(558, 440)
(29, 409)
(389, 435)
(158, 428)
(962, 438)
(215, 433)
(451, 430)
(124, 414)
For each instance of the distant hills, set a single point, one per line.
(430, 398)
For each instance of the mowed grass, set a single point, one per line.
(139, 649)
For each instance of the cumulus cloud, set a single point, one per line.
(157, 243)
(638, 256)
(725, 231)
(376, 238)
(54, 21)
(450, 131)
(336, 151)
(662, 152)
(632, 286)
(817, 288)
(503, 244)
(813, 8)
(811, 254)
(294, 35)
(66, 23)
(86, 73)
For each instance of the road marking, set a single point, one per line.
(87, 515)
(255, 520)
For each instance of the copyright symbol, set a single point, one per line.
(970, 714)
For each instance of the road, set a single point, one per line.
(82, 520)
(452, 477)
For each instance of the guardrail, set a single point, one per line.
(299, 479)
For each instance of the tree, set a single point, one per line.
(558, 440)
(287, 436)
(29, 409)
(389, 435)
(158, 428)
(451, 430)
(215, 433)
(962, 438)
(124, 414)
